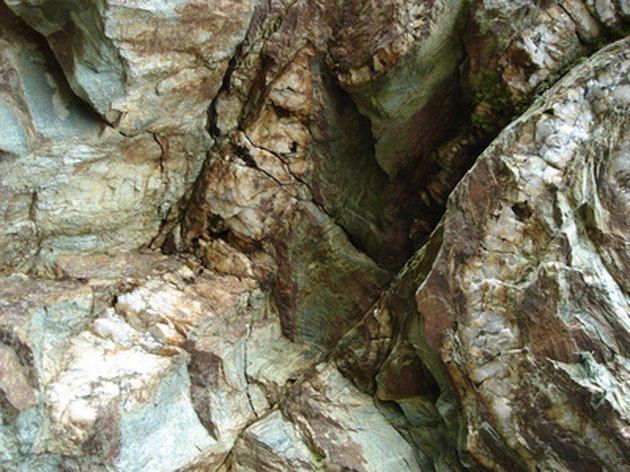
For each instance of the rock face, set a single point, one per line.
(517, 48)
(302, 235)
(71, 183)
(526, 302)
(142, 65)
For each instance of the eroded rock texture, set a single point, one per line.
(303, 235)
(526, 302)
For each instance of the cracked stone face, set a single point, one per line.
(534, 313)
(314, 235)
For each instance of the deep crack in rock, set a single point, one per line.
(303, 235)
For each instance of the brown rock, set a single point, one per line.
(522, 303)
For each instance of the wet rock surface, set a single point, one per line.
(303, 235)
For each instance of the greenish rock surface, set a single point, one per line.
(141, 65)
(284, 235)
(525, 298)
(71, 184)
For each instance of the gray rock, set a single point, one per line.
(273, 443)
(71, 184)
(142, 65)
(345, 427)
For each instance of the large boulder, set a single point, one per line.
(526, 302)
(465, 344)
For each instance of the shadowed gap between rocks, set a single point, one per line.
(417, 218)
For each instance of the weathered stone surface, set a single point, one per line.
(273, 444)
(200, 354)
(142, 65)
(514, 51)
(38, 318)
(13, 381)
(525, 302)
(344, 427)
(386, 355)
(70, 183)
(250, 204)
(289, 137)
(288, 157)
(239, 362)
(37, 322)
(518, 48)
(111, 389)
(326, 424)
(404, 75)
